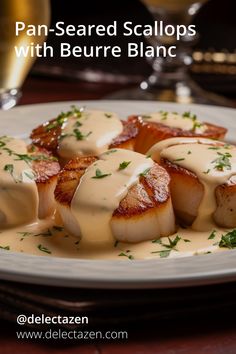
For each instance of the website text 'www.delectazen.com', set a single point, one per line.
(64, 334)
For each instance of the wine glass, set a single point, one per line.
(13, 70)
(170, 80)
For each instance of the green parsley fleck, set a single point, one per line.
(99, 174)
(124, 164)
(116, 243)
(79, 135)
(145, 172)
(110, 151)
(123, 254)
(7, 248)
(180, 159)
(163, 254)
(45, 234)
(223, 161)
(212, 235)
(44, 249)
(10, 168)
(228, 240)
(145, 116)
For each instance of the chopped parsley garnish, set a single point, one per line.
(223, 161)
(206, 172)
(44, 249)
(158, 240)
(30, 175)
(61, 118)
(186, 240)
(78, 123)
(193, 117)
(163, 254)
(164, 115)
(110, 151)
(214, 148)
(171, 246)
(116, 243)
(24, 234)
(7, 248)
(145, 172)
(79, 135)
(228, 240)
(123, 254)
(189, 115)
(180, 159)
(108, 115)
(100, 174)
(189, 152)
(45, 234)
(172, 243)
(124, 164)
(10, 168)
(145, 116)
(212, 235)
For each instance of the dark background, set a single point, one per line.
(216, 24)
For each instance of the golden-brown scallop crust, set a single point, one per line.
(47, 138)
(152, 190)
(149, 133)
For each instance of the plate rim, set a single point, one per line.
(31, 277)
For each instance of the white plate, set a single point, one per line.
(156, 273)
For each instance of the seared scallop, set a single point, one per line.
(203, 183)
(163, 125)
(84, 133)
(145, 211)
(46, 169)
(27, 181)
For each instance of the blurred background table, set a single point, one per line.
(42, 89)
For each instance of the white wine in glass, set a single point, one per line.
(13, 70)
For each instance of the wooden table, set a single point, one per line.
(207, 335)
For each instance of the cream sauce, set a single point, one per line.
(94, 202)
(175, 120)
(48, 238)
(89, 134)
(214, 165)
(18, 191)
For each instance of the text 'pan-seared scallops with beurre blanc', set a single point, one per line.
(119, 195)
(161, 125)
(203, 180)
(28, 177)
(82, 132)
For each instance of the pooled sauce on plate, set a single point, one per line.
(49, 238)
(88, 133)
(186, 121)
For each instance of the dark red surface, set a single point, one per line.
(203, 335)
